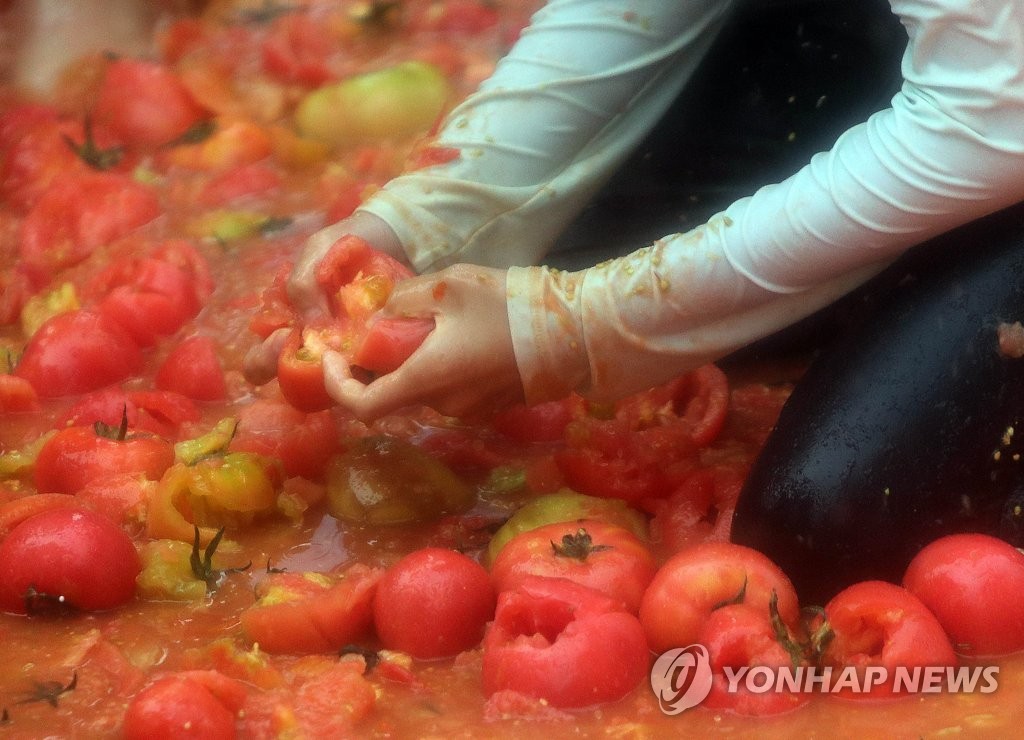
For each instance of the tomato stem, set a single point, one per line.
(578, 546)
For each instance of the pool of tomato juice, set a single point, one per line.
(72, 675)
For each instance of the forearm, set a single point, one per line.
(949, 150)
(579, 90)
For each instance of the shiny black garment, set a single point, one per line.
(908, 427)
(899, 432)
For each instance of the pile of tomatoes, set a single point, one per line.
(182, 547)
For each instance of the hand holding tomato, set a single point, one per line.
(465, 367)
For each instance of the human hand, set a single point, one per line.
(466, 367)
(303, 291)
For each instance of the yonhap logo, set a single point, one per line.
(681, 678)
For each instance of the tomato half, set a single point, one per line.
(312, 612)
(565, 643)
(201, 704)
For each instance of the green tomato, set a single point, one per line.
(392, 103)
(383, 480)
(567, 506)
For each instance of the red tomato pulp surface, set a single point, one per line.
(211, 181)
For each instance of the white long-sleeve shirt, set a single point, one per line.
(580, 89)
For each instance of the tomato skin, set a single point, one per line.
(76, 456)
(390, 342)
(199, 704)
(71, 553)
(300, 375)
(879, 623)
(312, 613)
(79, 213)
(737, 636)
(689, 586)
(433, 603)
(973, 584)
(304, 443)
(17, 395)
(76, 352)
(543, 422)
(144, 103)
(194, 370)
(564, 643)
(617, 563)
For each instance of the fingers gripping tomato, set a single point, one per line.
(564, 643)
(63, 557)
(358, 281)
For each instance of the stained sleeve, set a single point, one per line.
(578, 91)
(949, 149)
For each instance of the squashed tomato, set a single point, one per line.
(312, 612)
(874, 623)
(973, 584)
(694, 582)
(76, 456)
(433, 603)
(66, 557)
(564, 643)
(604, 557)
(201, 704)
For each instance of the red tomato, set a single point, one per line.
(565, 643)
(199, 704)
(312, 612)
(66, 556)
(304, 443)
(79, 213)
(604, 557)
(248, 180)
(158, 412)
(17, 395)
(300, 374)
(433, 603)
(296, 50)
(144, 103)
(739, 636)
(76, 456)
(389, 342)
(875, 623)
(543, 422)
(76, 352)
(149, 296)
(357, 278)
(697, 402)
(193, 369)
(973, 584)
(694, 582)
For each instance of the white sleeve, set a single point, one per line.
(949, 150)
(578, 91)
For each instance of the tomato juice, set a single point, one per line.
(241, 182)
